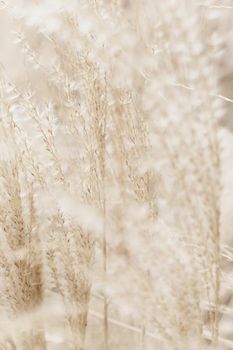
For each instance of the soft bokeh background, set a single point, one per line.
(13, 59)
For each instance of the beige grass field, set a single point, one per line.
(116, 175)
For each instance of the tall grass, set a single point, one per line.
(112, 149)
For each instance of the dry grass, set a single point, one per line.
(112, 175)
